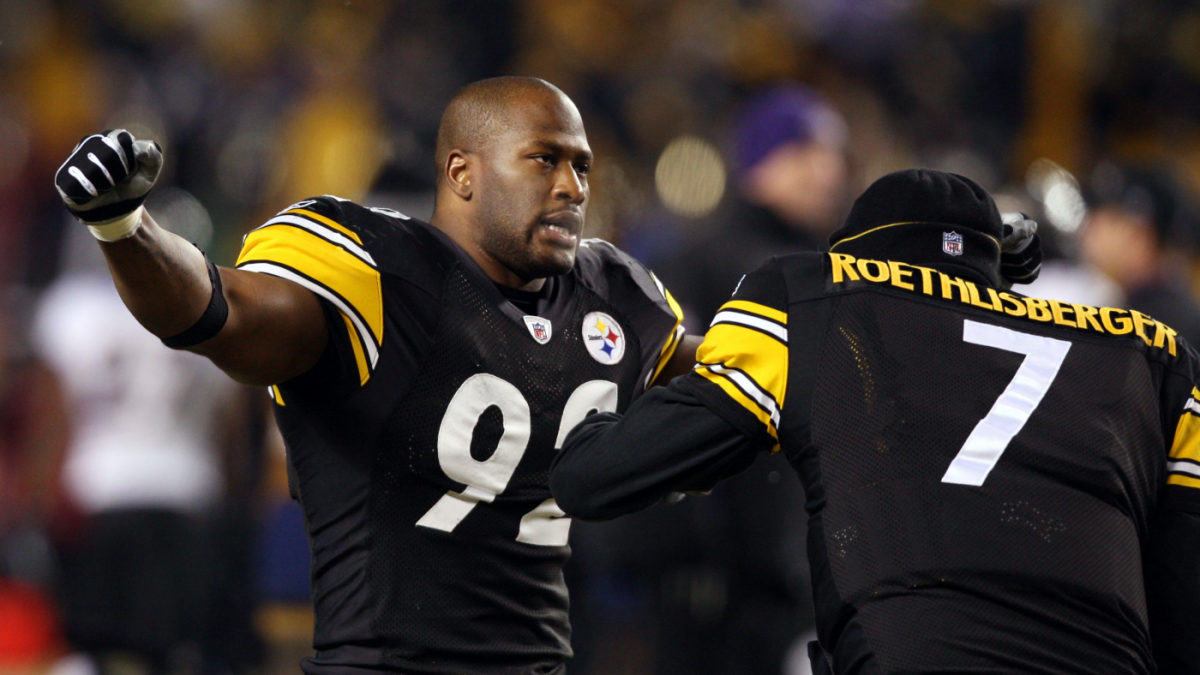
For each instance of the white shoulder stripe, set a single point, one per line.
(1192, 405)
(662, 290)
(1184, 467)
(751, 321)
(327, 233)
(748, 387)
(367, 339)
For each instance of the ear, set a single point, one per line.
(459, 165)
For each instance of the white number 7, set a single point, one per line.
(1043, 358)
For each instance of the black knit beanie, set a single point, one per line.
(925, 217)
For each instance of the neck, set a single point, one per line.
(460, 232)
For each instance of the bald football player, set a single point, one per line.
(424, 375)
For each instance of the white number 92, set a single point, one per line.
(545, 525)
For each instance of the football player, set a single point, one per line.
(995, 483)
(423, 375)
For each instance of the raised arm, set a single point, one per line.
(259, 329)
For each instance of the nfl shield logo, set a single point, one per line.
(539, 328)
(952, 243)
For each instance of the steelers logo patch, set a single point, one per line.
(604, 338)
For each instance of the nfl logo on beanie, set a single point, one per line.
(903, 215)
(952, 243)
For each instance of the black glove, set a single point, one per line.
(108, 176)
(1020, 250)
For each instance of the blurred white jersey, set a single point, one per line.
(143, 417)
(1071, 282)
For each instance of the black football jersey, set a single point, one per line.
(995, 483)
(419, 445)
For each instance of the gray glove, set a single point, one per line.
(1020, 250)
(108, 176)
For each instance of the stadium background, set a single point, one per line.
(259, 104)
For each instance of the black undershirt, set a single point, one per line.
(526, 301)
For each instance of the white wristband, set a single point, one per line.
(120, 228)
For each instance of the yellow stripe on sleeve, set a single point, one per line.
(755, 308)
(364, 373)
(1186, 481)
(326, 221)
(673, 339)
(760, 356)
(1187, 438)
(749, 366)
(325, 263)
(736, 394)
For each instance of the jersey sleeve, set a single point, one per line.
(667, 441)
(627, 284)
(742, 367)
(1180, 403)
(310, 243)
(1172, 574)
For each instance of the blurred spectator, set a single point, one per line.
(790, 168)
(144, 467)
(32, 441)
(1139, 221)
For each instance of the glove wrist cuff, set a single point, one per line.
(118, 228)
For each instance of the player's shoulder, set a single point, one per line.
(385, 239)
(781, 280)
(614, 274)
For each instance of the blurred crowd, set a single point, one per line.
(144, 521)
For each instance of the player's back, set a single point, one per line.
(981, 469)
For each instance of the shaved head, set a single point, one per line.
(482, 111)
(512, 187)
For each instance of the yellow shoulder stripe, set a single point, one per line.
(673, 339)
(751, 367)
(1185, 481)
(755, 308)
(326, 221)
(741, 398)
(328, 265)
(1186, 446)
(761, 357)
(1187, 438)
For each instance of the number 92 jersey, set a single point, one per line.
(419, 445)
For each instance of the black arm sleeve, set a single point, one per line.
(667, 441)
(1172, 572)
(1171, 558)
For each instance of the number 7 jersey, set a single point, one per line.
(419, 445)
(996, 483)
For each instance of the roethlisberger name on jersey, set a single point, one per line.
(846, 270)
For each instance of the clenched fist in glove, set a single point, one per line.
(105, 181)
(1020, 250)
